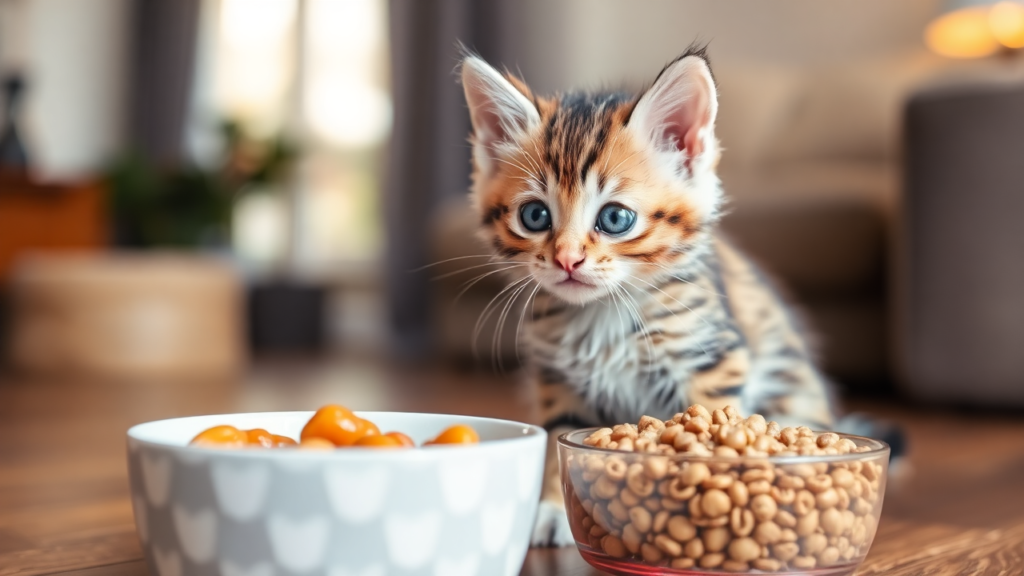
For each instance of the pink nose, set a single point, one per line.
(569, 260)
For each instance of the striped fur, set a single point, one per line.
(653, 320)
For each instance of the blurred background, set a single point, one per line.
(208, 190)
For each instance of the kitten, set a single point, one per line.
(607, 204)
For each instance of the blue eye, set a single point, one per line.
(535, 216)
(615, 220)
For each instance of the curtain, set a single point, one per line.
(164, 37)
(428, 157)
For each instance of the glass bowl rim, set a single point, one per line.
(879, 448)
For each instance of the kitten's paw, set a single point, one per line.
(551, 527)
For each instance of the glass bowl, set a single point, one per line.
(647, 513)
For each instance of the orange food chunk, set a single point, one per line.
(337, 424)
(314, 443)
(458, 434)
(283, 441)
(260, 437)
(402, 439)
(221, 437)
(378, 441)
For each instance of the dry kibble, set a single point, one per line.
(680, 528)
(767, 564)
(668, 545)
(767, 533)
(807, 524)
(718, 482)
(715, 539)
(660, 519)
(786, 551)
(813, 544)
(640, 518)
(744, 549)
(764, 507)
(650, 553)
(694, 473)
(613, 546)
(804, 562)
(739, 494)
(832, 522)
(656, 467)
(682, 563)
(827, 499)
(713, 560)
(735, 566)
(618, 510)
(829, 556)
(694, 548)
(741, 521)
(631, 538)
(663, 508)
(716, 503)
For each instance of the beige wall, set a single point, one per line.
(74, 54)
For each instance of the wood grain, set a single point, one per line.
(956, 508)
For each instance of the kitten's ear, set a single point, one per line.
(678, 112)
(499, 110)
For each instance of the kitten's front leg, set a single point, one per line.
(561, 411)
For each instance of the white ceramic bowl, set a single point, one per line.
(438, 511)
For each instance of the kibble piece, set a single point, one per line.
(829, 556)
(827, 499)
(613, 546)
(656, 467)
(718, 482)
(680, 528)
(819, 483)
(631, 538)
(638, 482)
(715, 539)
(786, 551)
(694, 473)
(807, 524)
(694, 548)
(767, 564)
(650, 553)
(832, 522)
(713, 560)
(804, 562)
(741, 521)
(715, 503)
(739, 494)
(682, 563)
(814, 544)
(767, 533)
(669, 546)
(785, 519)
(660, 520)
(618, 510)
(764, 507)
(640, 518)
(734, 566)
(744, 549)
(804, 503)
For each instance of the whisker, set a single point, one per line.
(487, 311)
(522, 316)
(439, 262)
(470, 283)
(495, 342)
(497, 263)
(691, 310)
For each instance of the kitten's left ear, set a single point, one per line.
(678, 112)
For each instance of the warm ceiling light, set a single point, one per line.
(963, 33)
(1006, 19)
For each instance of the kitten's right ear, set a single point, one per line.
(500, 112)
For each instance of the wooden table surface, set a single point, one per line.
(958, 508)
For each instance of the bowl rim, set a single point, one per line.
(531, 433)
(879, 448)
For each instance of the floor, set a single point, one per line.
(957, 507)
